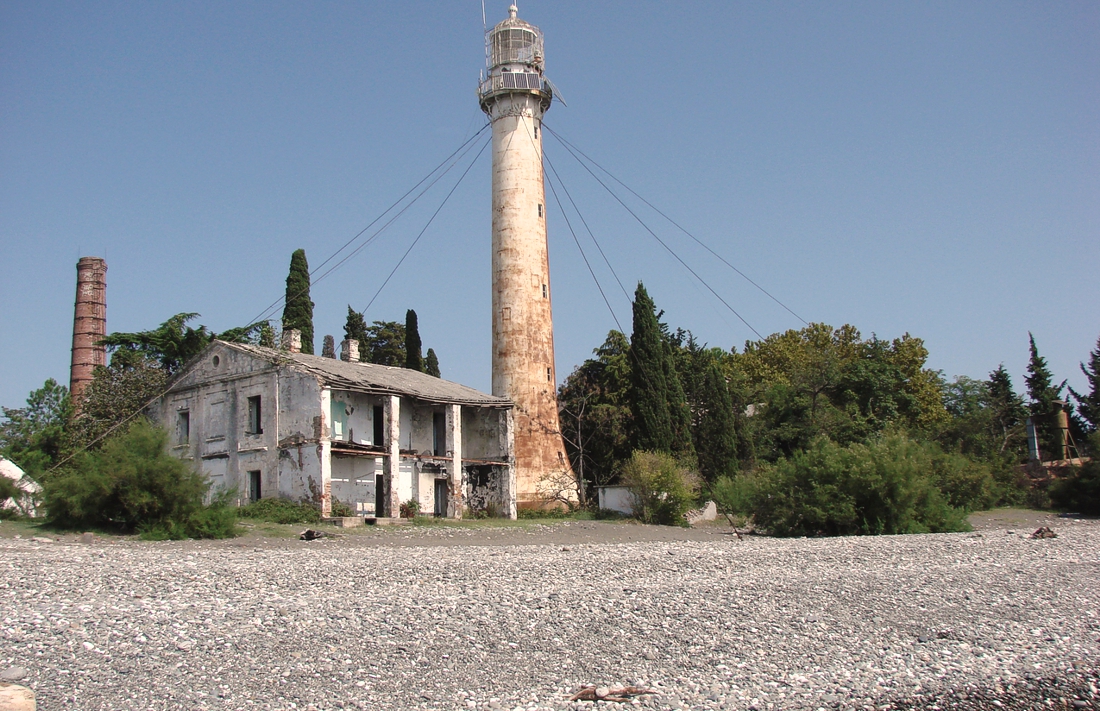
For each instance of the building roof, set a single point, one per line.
(373, 379)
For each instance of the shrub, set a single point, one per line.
(663, 488)
(131, 483)
(1080, 490)
(280, 511)
(339, 509)
(409, 509)
(733, 496)
(887, 486)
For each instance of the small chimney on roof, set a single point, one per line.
(349, 350)
(292, 340)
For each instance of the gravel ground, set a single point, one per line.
(521, 618)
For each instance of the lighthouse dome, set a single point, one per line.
(514, 41)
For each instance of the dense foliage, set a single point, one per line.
(431, 364)
(794, 402)
(298, 308)
(131, 483)
(355, 328)
(663, 487)
(280, 511)
(414, 359)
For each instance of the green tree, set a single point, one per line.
(384, 344)
(649, 391)
(1008, 412)
(1042, 395)
(1088, 405)
(132, 483)
(413, 358)
(594, 414)
(298, 309)
(662, 487)
(715, 433)
(34, 436)
(117, 392)
(431, 364)
(355, 328)
(173, 343)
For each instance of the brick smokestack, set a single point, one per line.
(89, 324)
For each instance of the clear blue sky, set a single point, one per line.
(931, 168)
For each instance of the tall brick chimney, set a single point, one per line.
(89, 324)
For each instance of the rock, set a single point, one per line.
(14, 697)
(13, 674)
(42, 539)
(87, 537)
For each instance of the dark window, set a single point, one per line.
(544, 293)
(439, 433)
(536, 127)
(254, 492)
(540, 209)
(549, 377)
(379, 426)
(255, 416)
(183, 425)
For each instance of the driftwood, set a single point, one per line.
(311, 535)
(616, 692)
(1043, 532)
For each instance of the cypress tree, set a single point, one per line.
(679, 414)
(328, 347)
(431, 364)
(648, 391)
(1089, 404)
(298, 311)
(413, 359)
(1008, 408)
(356, 327)
(716, 435)
(1042, 395)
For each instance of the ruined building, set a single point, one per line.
(515, 95)
(261, 422)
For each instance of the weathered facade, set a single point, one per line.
(515, 95)
(262, 423)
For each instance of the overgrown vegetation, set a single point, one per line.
(663, 487)
(799, 416)
(276, 510)
(130, 484)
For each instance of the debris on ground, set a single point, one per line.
(615, 692)
(311, 535)
(1043, 532)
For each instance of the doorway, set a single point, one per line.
(440, 498)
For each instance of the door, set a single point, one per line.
(441, 498)
(379, 495)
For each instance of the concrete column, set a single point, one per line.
(392, 407)
(324, 452)
(507, 451)
(456, 477)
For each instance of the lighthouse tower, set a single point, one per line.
(515, 95)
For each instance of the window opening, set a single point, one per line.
(548, 375)
(255, 416)
(439, 433)
(379, 426)
(254, 492)
(184, 426)
(544, 291)
(540, 209)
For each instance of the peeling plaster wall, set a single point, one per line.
(214, 393)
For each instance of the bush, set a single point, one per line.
(132, 484)
(663, 488)
(888, 486)
(1080, 490)
(733, 496)
(409, 509)
(280, 511)
(339, 509)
